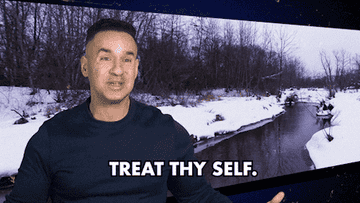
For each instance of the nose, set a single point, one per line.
(117, 67)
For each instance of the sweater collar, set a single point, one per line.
(126, 119)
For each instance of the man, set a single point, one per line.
(86, 154)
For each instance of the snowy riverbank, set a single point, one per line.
(227, 112)
(226, 115)
(344, 148)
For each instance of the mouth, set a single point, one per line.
(115, 84)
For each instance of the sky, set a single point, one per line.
(310, 40)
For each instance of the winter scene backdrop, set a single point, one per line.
(216, 77)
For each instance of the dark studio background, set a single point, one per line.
(335, 184)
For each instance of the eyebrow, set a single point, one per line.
(109, 51)
(130, 53)
(104, 50)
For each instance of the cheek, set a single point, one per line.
(96, 73)
(134, 71)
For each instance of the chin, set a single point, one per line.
(116, 99)
(110, 96)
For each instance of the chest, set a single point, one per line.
(114, 163)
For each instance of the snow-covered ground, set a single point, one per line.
(221, 112)
(226, 115)
(345, 147)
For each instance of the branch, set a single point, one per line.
(272, 76)
(17, 113)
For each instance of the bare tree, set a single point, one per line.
(356, 71)
(6, 44)
(293, 71)
(229, 57)
(20, 37)
(247, 40)
(269, 72)
(342, 61)
(211, 47)
(198, 37)
(328, 68)
(284, 47)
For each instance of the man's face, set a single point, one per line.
(110, 64)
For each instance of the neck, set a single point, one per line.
(109, 111)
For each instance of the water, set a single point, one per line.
(276, 149)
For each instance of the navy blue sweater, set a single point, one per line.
(69, 159)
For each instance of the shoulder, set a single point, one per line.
(151, 116)
(67, 121)
(73, 115)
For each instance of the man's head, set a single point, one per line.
(107, 25)
(110, 62)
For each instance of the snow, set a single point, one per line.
(224, 112)
(236, 111)
(14, 139)
(344, 148)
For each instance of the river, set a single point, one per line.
(276, 149)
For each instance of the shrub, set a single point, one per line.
(53, 109)
(23, 116)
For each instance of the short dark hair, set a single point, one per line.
(109, 25)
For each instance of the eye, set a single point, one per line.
(105, 59)
(127, 60)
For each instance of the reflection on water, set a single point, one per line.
(276, 149)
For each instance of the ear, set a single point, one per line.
(136, 67)
(84, 66)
